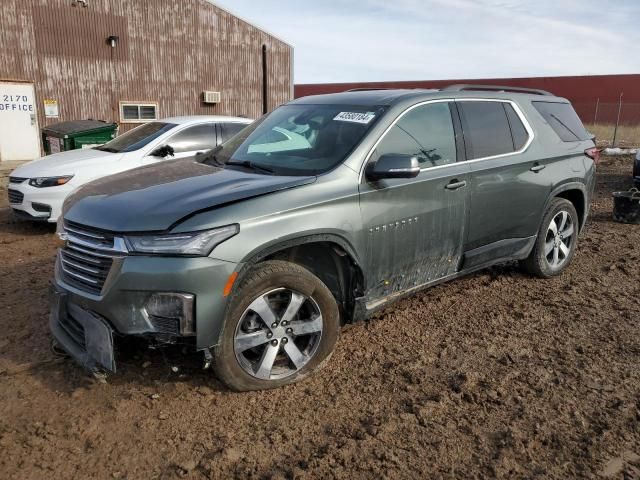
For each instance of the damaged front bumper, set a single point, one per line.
(83, 335)
(87, 325)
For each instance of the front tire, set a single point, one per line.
(556, 242)
(282, 325)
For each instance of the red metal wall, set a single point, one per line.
(585, 92)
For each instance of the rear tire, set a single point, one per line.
(557, 240)
(282, 324)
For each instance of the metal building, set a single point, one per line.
(130, 61)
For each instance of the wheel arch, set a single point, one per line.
(342, 272)
(576, 193)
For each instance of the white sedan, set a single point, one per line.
(38, 189)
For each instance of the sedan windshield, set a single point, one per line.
(297, 139)
(137, 138)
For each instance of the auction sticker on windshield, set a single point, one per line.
(355, 117)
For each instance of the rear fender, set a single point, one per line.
(570, 185)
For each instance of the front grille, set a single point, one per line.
(17, 179)
(72, 326)
(87, 257)
(15, 197)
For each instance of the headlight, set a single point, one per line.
(42, 182)
(193, 243)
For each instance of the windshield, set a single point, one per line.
(298, 139)
(137, 138)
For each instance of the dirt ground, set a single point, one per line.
(496, 375)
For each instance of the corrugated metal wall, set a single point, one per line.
(168, 52)
(593, 96)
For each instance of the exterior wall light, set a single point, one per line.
(112, 40)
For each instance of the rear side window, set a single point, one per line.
(518, 132)
(563, 119)
(486, 129)
(230, 129)
(426, 132)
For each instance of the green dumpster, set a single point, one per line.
(63, 136)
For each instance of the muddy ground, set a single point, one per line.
(496, 375)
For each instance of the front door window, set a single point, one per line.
(426, 132)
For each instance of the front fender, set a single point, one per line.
(263, 251)
(296, 239)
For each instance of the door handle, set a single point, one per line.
(537, 168)
(454, 185)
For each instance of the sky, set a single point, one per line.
(378, 40)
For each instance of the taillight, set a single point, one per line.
(594, 154)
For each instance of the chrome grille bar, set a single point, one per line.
(88, 252)
(87, 257)
(78, 266)
(79, 256)
(117, 242)
(78, 276)
(84, 234)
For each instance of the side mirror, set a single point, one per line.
(163, 151)
(393, 165)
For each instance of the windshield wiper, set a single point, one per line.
(252, 166)
(209, 157)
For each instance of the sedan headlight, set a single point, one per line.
(42, 182)
(192, 243)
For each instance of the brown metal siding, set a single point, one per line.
(582, 91)
(169, 52)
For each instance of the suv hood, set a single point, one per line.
(65, 163)
(156, 197)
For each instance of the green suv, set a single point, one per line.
(315, 216)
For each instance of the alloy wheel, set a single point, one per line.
(278, 334)
(559, 239)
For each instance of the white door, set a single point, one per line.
(19, 134)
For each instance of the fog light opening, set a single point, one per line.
(162, 308)
(41, 208)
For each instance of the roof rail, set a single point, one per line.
(494, 88)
